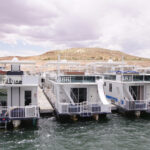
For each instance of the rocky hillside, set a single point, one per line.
(91, 54)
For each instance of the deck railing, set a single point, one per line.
(76, 79)
(18, 79)
(138, 105)
(80, 108)
(19, 112)
(136, 78)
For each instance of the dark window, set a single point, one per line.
(27, 97)
(79, 94)
(110, 77)
(110, 87)
(76, 78)
(147, 78)
(3, 97)
(89, 78)
(104, 83)
(42, 80)
(137, 78)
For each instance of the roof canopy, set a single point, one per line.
(16, 61)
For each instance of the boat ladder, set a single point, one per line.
(85, 111)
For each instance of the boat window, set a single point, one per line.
(42, 80)
(110, 77)
(127, 78)
(104, 83)
(110, 87)
(89, 78)
(28, 97)
(98, 77)
(78, 94)
(137, 78)
(76, 78)
(3, 97)
(147, 78)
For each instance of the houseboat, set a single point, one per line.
(76, 95)
(127, 88)
(18, 95)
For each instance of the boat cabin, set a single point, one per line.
(18, 92)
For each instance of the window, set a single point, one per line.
(28, 97)
(89, 78)
(127, 78)
(76, 78)
(110, 87)
(79, 94)
(137, 78)
(104, 83)
(42, 80)
(110, 77)
(147, 78)
(3, 97)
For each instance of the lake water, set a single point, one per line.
(115, 133)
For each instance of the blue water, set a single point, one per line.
(115, 133)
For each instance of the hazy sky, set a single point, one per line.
(29, 27)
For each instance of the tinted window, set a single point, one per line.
(147, 78)
(28, 97)
(137, 78)
(110, 87)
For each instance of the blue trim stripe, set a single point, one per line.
(111, 98)
(122, 102)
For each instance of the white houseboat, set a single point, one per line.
(76, 95)
(18, 95)
(128, 89)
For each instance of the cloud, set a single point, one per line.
(54, 24)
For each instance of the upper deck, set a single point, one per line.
(125, 77)
(78, 79)
(73, 79)
(12, 75)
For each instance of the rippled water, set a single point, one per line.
(116, 133)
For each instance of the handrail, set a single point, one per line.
(137, 104)
(79, 108)
(15, 112)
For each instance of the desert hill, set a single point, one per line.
(88, 54)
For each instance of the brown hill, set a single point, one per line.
(91, 54)
(88, 54)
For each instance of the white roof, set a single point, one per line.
(62, 62)
(16, 61)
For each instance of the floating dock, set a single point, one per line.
(43, 103)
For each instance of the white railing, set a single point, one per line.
(137, 105)
(19, 112)
(74, 79)
(19, 79)
(79, 108)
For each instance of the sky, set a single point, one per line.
(32, 27)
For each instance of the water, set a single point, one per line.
(116, 133)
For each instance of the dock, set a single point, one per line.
(43, 103)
